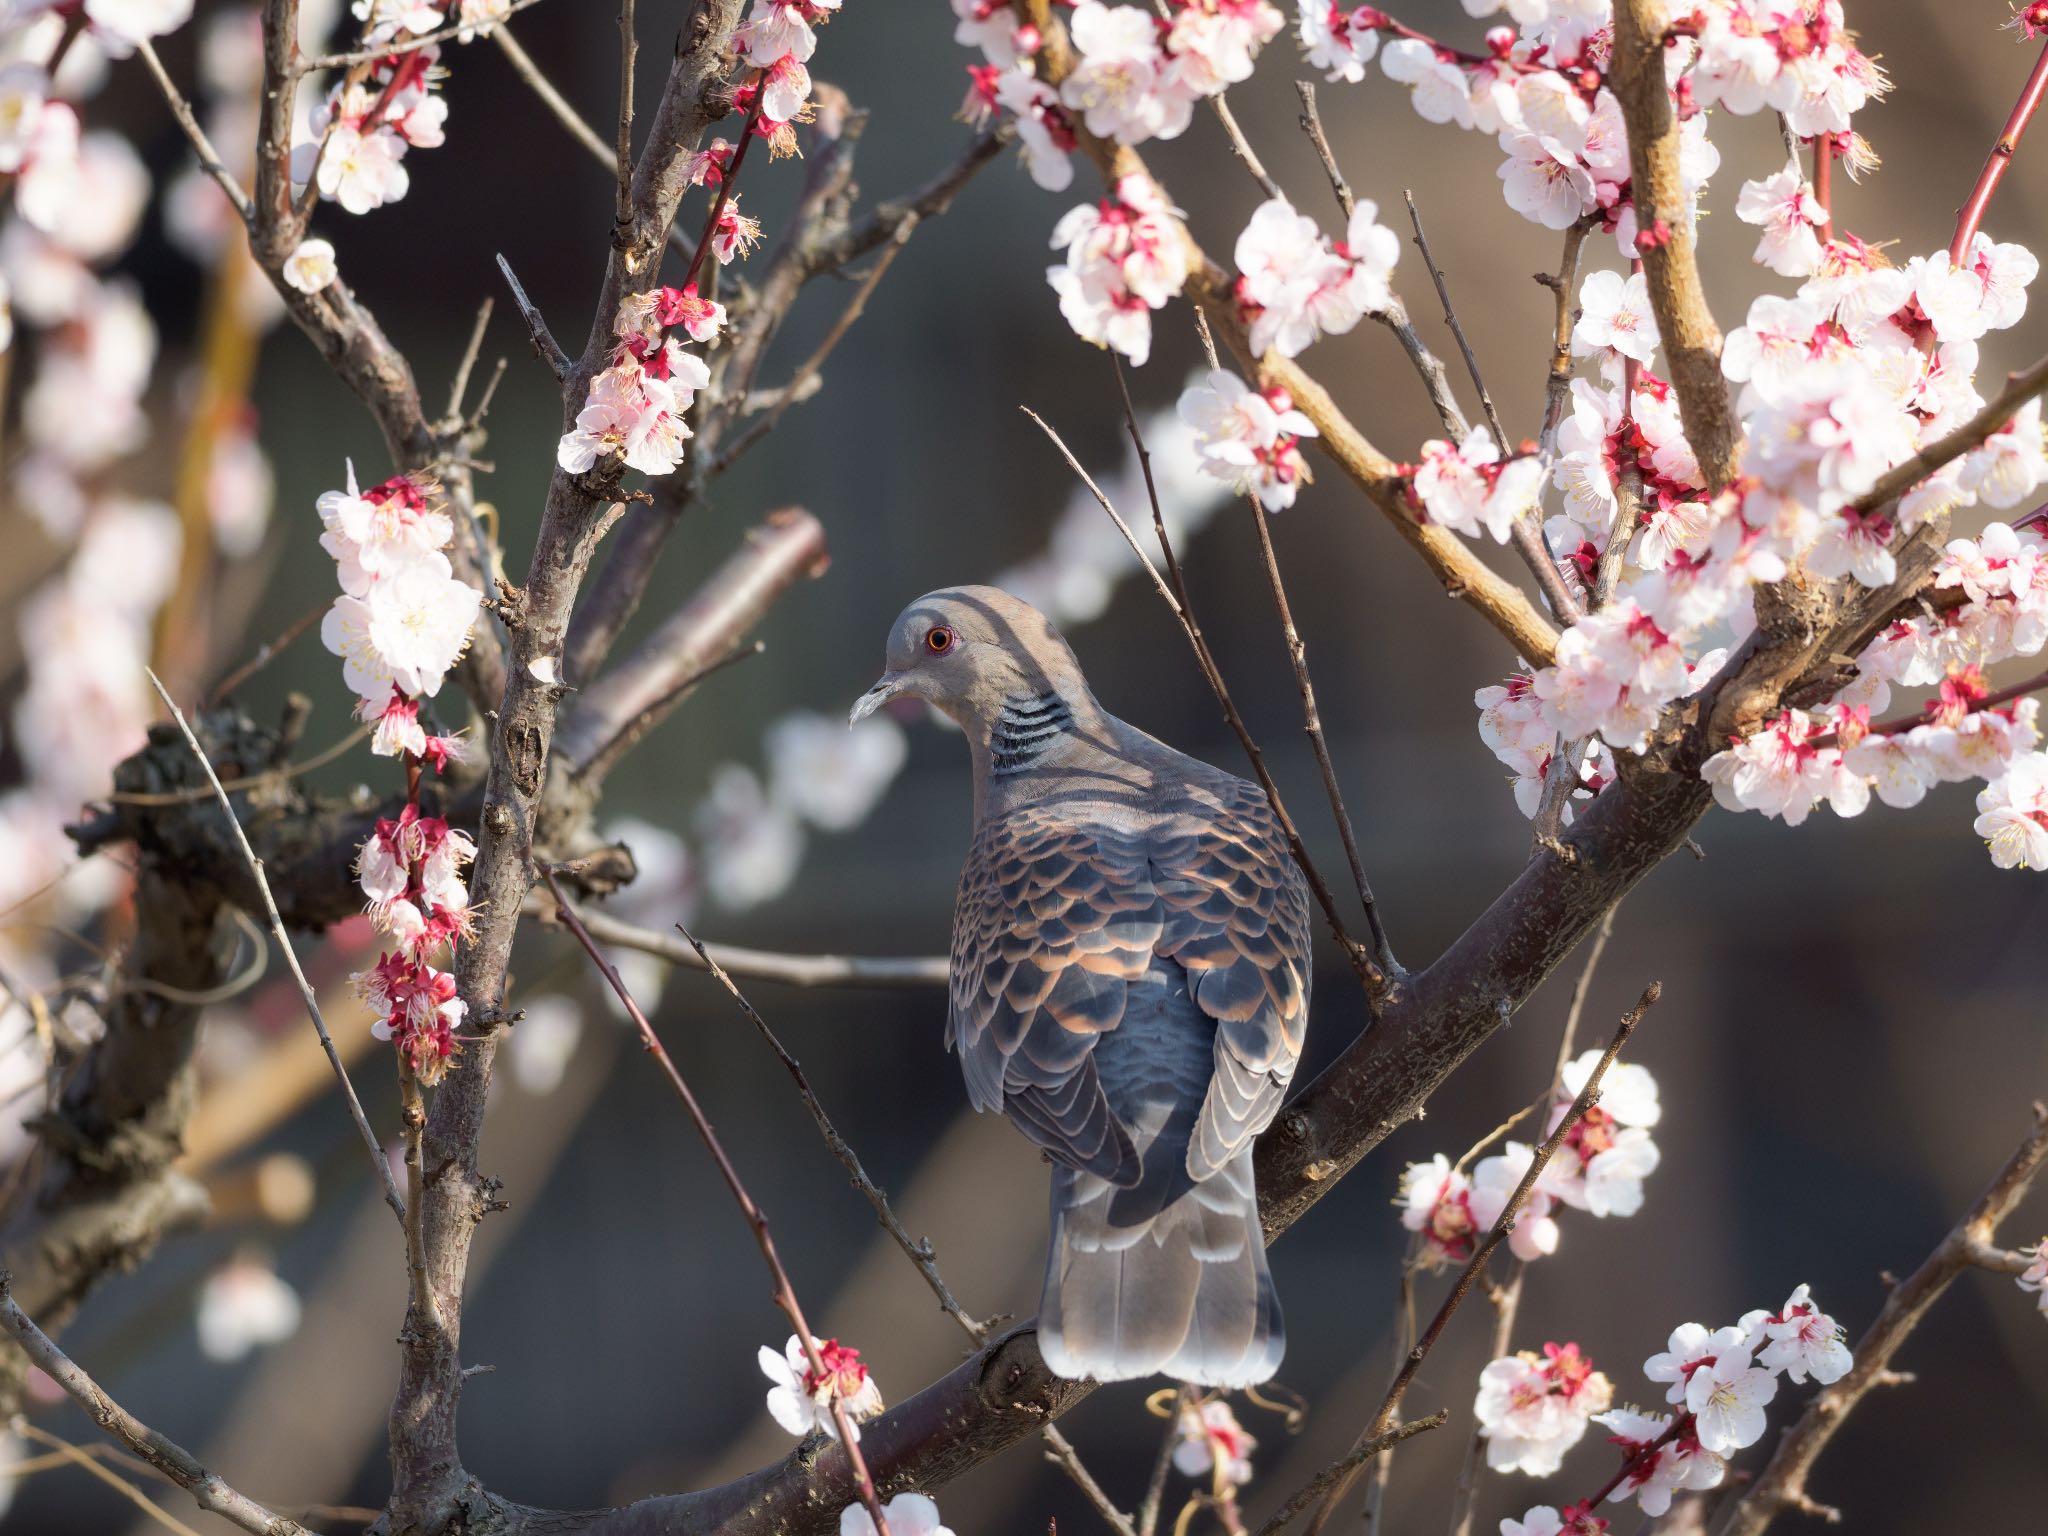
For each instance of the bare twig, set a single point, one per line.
(1059, 1450)
(1155, 1485)
(188, 121)
(1241, 147)
(412, 44)
(467, 364)
(1971, 215)
(268, 652)
(174, 1461)
(765, 965)
(545, 347)
(1443, 293)
(919, 1253)
(1781, 1485)
(67, 1454)
(557, 104)
(1508, 1300)
(1344, 1468)
(803, 382)
(756, 1218)
(291, 959)
(1312, 125)
(1362, 961)
(1476, 1265)
(629, 52)
(1557, 382)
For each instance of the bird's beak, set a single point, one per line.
(883, 691)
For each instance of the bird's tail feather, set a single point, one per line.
(1184, 1294)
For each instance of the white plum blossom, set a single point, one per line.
(1436, 1202)
(1801, 1340)
(1248, 439)
(1119, 80)
(1125, 257)
(2035, 1276)
(1334, 40)
(908, 1514)
(1494, 1182)
(244, 1306)
(1614, 316)
(830, 775)
(2012, 814)
(801, 1401)
(752, 845)
(1296, 286)
(1791, 218)
(1532, 1409)
(2011, 463)
(1469, 488)
(1679, 1465)
(1726, 1397)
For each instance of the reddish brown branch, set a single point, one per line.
(756, 1218)
(1999, 161)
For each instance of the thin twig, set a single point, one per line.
(1781, 1484)
(1312, 125)
(188, 121)
(545, 347)
(1344, 1468)
(268, 652)
(1368, 969)
(1476, 1265)
(1155, 1485)
(557, 104)
(765, 965)
(1557, 380)
(1241, 147)
(629, 52)
(467, 365)
(802, 383)
(2000, 160)
(410, 45)
(176, 1463)
(1443, 293)
(756, 1218)
(78, 1456)
(1059, 1450)
(291, 959)
(1508, 1300)
(919, 1253)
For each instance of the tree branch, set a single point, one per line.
(764, 965)
(1781, 1484)
(173, 1460)
(1685, 326)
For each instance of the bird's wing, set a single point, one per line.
(1054, 921)
(1236, 919)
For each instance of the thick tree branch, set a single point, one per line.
(1691, 339)
(612, 714)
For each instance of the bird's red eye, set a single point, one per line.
(940, 639)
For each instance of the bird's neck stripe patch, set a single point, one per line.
(1025, 729)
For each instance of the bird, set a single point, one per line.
(1128, 985)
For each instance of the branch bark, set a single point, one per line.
(1685, 325)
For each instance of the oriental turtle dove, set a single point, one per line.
(1130, 977)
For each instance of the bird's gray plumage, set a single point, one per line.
(1130, 973)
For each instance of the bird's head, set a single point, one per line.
(968, 650)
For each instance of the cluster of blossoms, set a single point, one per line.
(1533, 1408)
(401, 623)
(801, 1399)
(1293, 285)
(357, 138)
(636, 407)
(1718, 1385)
(1598, 1168)
(2035, 1277)
(1124, 258)
(1137, 75)
(1249, 439)
(777, 38)
(1213, 1445)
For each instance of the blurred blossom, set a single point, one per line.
(908, 1514)
(1533, 1408)
(240, 489)
(664, 893)
(752, 846)
(2035, 1277)
(244, 1306)
(829, 775)
(543, 1042)
(1214, 1445)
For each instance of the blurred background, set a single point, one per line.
(1853, 1017)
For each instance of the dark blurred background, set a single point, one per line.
(1853, 1017)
